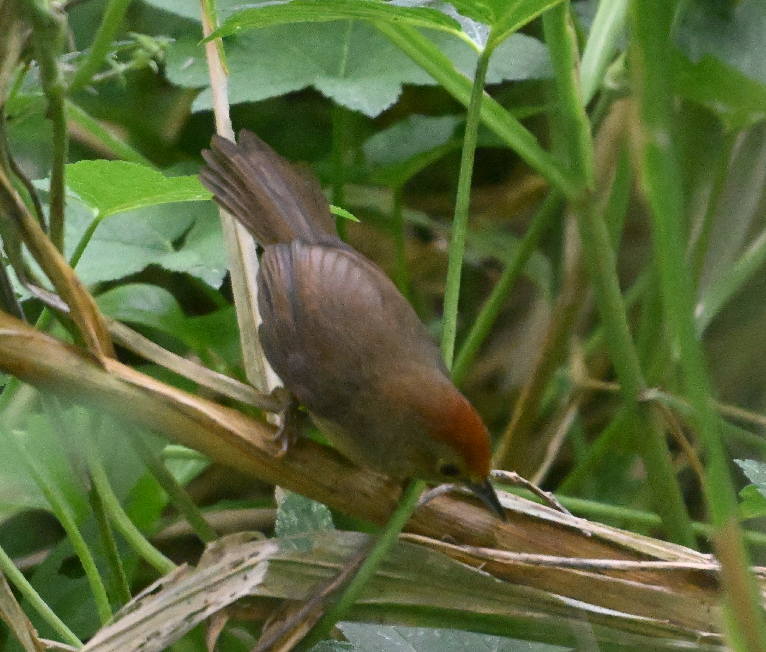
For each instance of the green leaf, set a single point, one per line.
(178, 237)
(315, 11)
(155, 307)
(482, 12)
(342, 212)
(297, 514)
(512, 16)
(110, 187)
(350, 62)
(385, 638)
(753, 503)
(755, 472)
(407, 147)
(408, 138)
(739, 100)
(735, 37)
(17, 488)
(141, 303)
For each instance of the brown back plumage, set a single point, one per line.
(270, 197)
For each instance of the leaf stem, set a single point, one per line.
(26, 589)
(120, 587)
(491, 308)
(651, 22)
(107, 140)
(607, 27)
(397, 225)
(48, 37)
(601, 263)
(178, 496)
(65, 516)
(462, 205)
(423, 52)
(385, 541)
(121, 520)
(338, 153)
(99, 48)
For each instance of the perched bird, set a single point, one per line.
(339, 334)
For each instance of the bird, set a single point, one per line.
(344, 341)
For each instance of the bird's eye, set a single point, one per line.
(449, 470)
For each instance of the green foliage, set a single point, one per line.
(316, 11)
(129, 186)
(641, 298)
(376, 638)
(362, 71)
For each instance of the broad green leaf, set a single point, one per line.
(753, 496)
(519, 57)
(386, 638)
(755, 472)
(404, 149)
(739, 100)
(503, 16)
(477, 10)
(408, 138)
(297, 514)
(110, 187)
(349, 62)
(141, 303)
(155, 307)
(17, 488)
(753, 503)
(178, 237)
(333, 646)
(315, 11)
(735, 37)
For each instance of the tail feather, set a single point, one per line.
(275, 201)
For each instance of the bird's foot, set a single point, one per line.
(287, 434)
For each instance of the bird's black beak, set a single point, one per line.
(486, 492)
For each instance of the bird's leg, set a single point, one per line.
(287, 434)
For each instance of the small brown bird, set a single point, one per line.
(342, 338)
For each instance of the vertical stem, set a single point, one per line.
(243, 262)
(63, 512)
(49, 36)
(122, 522)
(601, 263)
(608, 26)
(99, 48)
(429, 57)
(462, 204)
(698, 250)
(385, 541)
(338, 154)
(491, 309)
(26, 589)
(397, 225)
(651, 22)
(120, 588)
(176, 493)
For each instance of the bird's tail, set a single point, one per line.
(274, 200)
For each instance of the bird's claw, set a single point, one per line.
(287, 434)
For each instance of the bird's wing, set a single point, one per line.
(328, 310)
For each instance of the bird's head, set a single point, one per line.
(461, 449)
